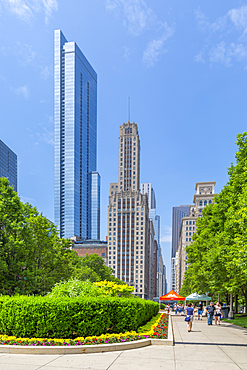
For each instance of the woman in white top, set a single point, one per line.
(217, 313)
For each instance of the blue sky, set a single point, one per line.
(184, 65)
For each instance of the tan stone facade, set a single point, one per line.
(128, 216)
(204, 196)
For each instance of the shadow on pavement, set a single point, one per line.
(213, 344)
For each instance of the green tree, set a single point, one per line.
(32, 256)
(95, 267)
(218, 256)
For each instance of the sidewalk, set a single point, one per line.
(223, 347)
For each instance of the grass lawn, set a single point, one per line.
(238, 320)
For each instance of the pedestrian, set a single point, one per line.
(200, 310)
(217, 313)
(168, 308)
(189, 317)
(210, 312)
(176, 308)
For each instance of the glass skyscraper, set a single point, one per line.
(75, 120)
(8, 164)
(94, 225)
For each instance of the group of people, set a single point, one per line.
(211, 310)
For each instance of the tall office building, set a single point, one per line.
(128, 219)
(177, 214)
(75, 120)
(146, 188)
(8, 164)
(94, 217)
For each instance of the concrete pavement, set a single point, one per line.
(221, 347)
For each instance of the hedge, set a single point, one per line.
(72, 317)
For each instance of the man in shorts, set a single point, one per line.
(199, 310)
(210, 312)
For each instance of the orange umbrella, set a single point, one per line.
(171, 296)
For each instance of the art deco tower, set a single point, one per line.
(128, 220)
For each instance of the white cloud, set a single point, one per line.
(239, 18)
(46, 136)
(201, 19)
(22, 91)
(45, 72)
(156, 47)
(26, 9)
(27, 200)
(231, 29)
(226, 54)
(49, 6)
(167, 236)
(26, 53)
(137, 17)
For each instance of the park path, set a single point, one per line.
(221, 347)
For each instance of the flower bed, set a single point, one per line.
(159, 331)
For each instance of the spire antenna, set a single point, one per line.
(128, 109)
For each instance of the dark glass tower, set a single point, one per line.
(8, 164)
(75, 120)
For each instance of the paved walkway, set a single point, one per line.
(219, 347)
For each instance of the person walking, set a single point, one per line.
(210, 312)
(168, 308)
(189, 317)
(200, 310)
(217, 313)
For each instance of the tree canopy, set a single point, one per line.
(32, 256)
(217, 257)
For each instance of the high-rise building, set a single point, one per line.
(75, 120)
(177, 214)
(94, 209)
(204, 196)
(8, 164)
(128, 218)
(146, 188)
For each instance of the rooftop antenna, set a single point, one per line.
(128, 109)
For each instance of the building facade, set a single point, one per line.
(177, 214)
(204, 195)
(8, 164)
(128, 216)
(75, 136)
(152, 270)
(146, 188)
(94, 209)
(91, 247)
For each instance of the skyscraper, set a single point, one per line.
(94, 217)
(146, 188)
(177, 214)
(128, 219)
(75, 120)
(8, 164)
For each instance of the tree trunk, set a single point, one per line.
(245, 296)
(236, 304)
(231, 314)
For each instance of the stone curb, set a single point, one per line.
(97, 348)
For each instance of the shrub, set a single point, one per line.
(76, 288)
(72, 317)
